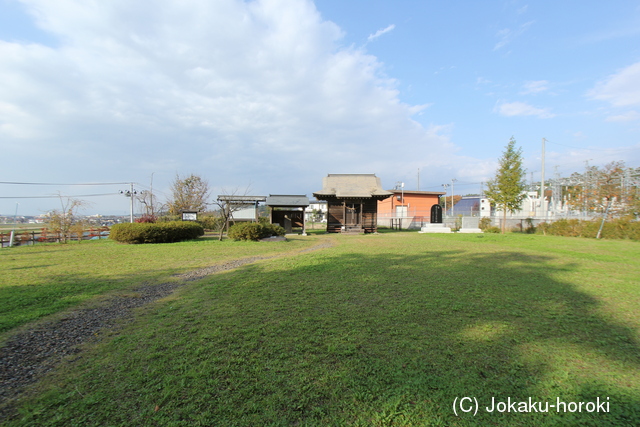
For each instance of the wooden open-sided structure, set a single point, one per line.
(352, 202)
(288, 211)
(240, 208)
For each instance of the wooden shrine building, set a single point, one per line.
(352, 202)
(288, 211)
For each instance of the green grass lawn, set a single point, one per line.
(379, 330)
(40, 280)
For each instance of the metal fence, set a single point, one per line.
(416, 220)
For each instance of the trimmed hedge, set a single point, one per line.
(254, 231)
(166, 232)
(613, 229)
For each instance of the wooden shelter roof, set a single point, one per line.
(352, 186)
(241, 199)
(280, 200)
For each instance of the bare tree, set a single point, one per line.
(62, 221)
(609, 188)
(151, 205)
(228, 203)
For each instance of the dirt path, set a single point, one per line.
(28, 355)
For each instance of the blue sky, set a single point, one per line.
(272, 95)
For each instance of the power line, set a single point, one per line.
(593, 149)
(49, 183)
(58, 196)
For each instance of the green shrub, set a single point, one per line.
(543, 228)
(167, 232)
(492, 229)
(613, 229)
(529, 228)
(245, 231)
(484, 223)
(211, 222)
(254, 231)
(272, 230)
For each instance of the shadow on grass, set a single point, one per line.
(361, 339)
(29, 267)
(23, 304)
(402, 336)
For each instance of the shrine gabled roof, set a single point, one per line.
(352, 186)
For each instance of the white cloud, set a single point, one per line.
(535, 86)
(513, 109)
(621, 89)
(236, 91)
(381, 32)
(629, 116)
(507, 35)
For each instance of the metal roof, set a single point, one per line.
(241, 199)
(287, 200)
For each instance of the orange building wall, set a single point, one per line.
(418, 204)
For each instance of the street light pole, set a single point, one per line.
(130, 193)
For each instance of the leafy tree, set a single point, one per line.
(506, 189)
(189, 193)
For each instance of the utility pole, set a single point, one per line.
(445, 198)
(453, 203)
(542, 178)
(418, 179)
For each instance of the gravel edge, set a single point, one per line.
(28, 355)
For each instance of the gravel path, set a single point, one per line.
(26, 356)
